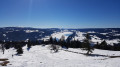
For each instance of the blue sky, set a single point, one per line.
(60, 13)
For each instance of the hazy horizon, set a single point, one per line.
(58, 27)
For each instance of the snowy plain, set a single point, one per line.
(41, 56)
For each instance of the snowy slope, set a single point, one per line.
(58, 35)
(81, 36)
(40, 56)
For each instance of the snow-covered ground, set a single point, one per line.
(80, 36)
(30, 31)
(114, 41)
(104, 33)
(39, 56)
(96, 39)
(58, 35)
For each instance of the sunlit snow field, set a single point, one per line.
(41, 56)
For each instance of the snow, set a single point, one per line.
(98, 51)
(45, 38)
(4, 35)
(96, 39)
(58, 35)
(111, 42)
(80, 36)
(104, 33)
(91, 32)
(114, 31)
(116, 35)
(40, 56)
(30, 31)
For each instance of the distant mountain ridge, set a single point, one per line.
(23, 33)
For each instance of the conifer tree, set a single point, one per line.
(19, 50)
(62, 41)
(87, 45)
(55, 41)
(51, 40)
(103, 45)
(28, 45)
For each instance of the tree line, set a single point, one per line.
(85, 45)
(17, 45)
